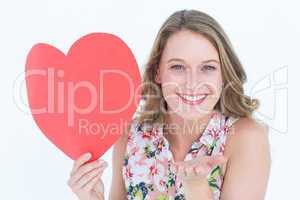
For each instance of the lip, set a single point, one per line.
(196, 102)
(198, 94)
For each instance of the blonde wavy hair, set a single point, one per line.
(232, 102)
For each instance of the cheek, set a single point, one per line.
(170, 78)
(219, 84)
(172, 83)
(168, 90)
(215, 88)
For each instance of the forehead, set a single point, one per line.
(190, 46)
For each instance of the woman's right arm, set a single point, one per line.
(117, 190)
(85, 178)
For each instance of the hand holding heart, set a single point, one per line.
(85, 178)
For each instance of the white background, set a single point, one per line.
(265, 35)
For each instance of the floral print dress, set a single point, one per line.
(147, 169)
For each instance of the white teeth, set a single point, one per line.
(192, 97)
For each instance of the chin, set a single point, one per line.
(194, 114)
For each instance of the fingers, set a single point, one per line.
(85, 169)
(190, 172)
(96, 182)
(216, 160)
(88, 178)
(174, 168)
(181, 172)
(80, 161)
(197, 168)
(90, 185)
(99, 188)
(201, 171)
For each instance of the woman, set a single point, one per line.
(195, 137)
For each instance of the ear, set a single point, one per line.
(157, 76)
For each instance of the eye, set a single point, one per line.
(177, 67)
(209, 67)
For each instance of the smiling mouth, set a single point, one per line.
(192, 99)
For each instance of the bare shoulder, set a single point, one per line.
(246, 133)
(246, 124)
(248, 152)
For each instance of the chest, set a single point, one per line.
(147, 169)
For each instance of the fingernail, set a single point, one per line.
(88, 155)
(175, 168)
(172, 168)
(180, 168)
(100, 161)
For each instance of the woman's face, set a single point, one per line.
(190, 74)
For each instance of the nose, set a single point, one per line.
(193, 81)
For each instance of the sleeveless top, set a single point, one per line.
(147, 171)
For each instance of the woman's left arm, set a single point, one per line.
(249, 163)
(193, 175)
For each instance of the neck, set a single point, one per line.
(181, 131)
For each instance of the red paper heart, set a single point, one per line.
(83, 100)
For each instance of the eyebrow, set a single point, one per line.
(179, 59)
